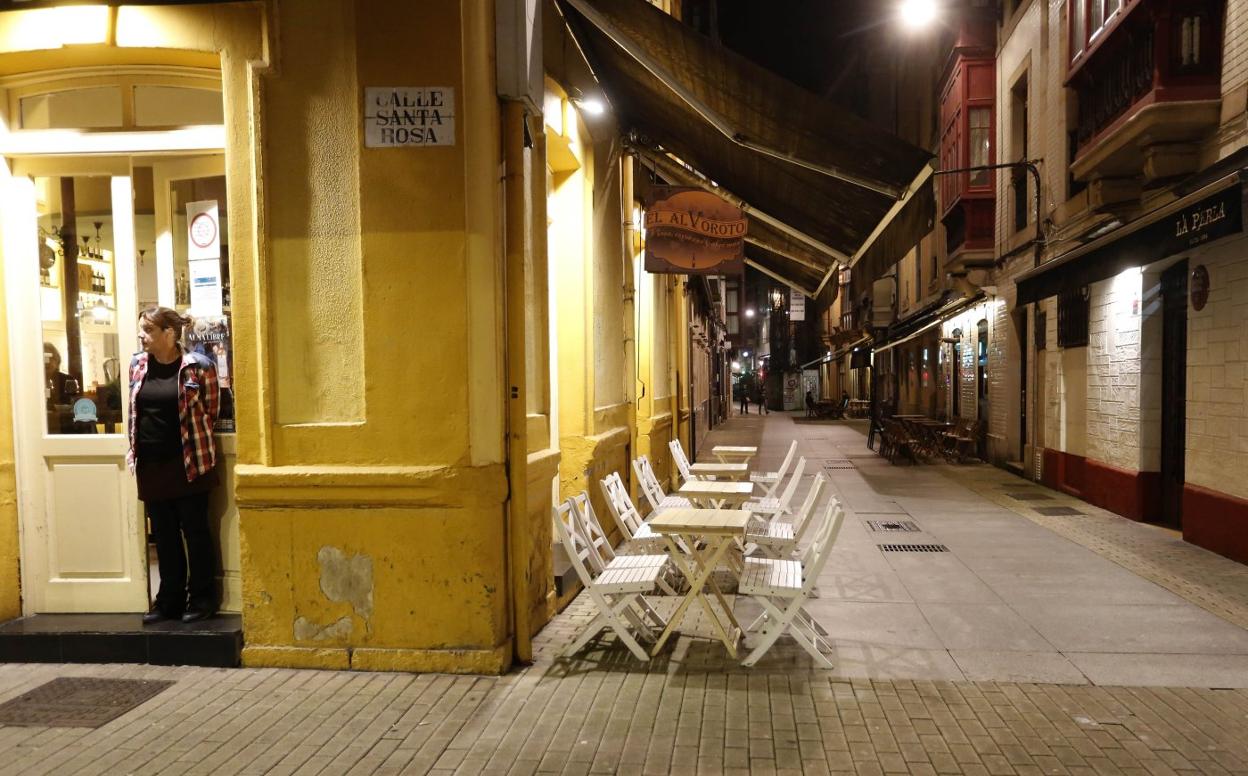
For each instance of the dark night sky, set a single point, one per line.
(814, 43)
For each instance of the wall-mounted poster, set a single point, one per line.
(693, 232)
(209, 335)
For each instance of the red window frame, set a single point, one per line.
(1092, 39)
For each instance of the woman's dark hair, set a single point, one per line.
(165, 318)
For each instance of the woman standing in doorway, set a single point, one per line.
(174, 400)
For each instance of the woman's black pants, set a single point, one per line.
(173, 520)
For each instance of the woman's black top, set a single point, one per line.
(159, 430)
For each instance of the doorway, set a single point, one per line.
(89, 242)
(1173, 392)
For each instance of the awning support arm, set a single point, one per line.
(714, 119)
(915, 185)
(775, 276)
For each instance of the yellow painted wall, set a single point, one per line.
(372, 510)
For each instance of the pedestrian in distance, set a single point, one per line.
(745, 401)
(810, 404)
(174, 401)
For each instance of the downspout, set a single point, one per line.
(630, 294)
(519, 541)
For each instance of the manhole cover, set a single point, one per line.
(892, 525)
(1029, 496)
(1057, 511)
(78, 702)
(913, 548)
(838, 463)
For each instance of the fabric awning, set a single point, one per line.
(918, 324)
(1210, 213)
(786, 153)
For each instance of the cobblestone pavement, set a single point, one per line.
(692, 710)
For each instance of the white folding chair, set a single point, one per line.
(682, 460)
(771, 480)
(626, 516)
(652, 489)
(616, 591)
(769, 508)
(783, 587)
(603, 555)
(780, 539)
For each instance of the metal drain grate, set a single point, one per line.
(78, 702)
(913, 548)
(892, 525)
(1058, 511)
(838, 463)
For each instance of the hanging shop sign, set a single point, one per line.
(409, 116)
(693, 232)
(797, 305)
(1200, 287)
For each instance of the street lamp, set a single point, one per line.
(749, 312)
(917, 14)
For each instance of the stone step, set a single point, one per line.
(122, 638)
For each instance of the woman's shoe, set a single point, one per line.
(195, 615)
(156, 615)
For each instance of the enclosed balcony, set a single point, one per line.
(1146, 80)
(967, 120)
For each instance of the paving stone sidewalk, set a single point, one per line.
(692, 710)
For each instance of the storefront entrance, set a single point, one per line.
(90, 239)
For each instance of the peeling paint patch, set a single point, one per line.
(306, 630)
(347, 579)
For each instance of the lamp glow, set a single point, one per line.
(593, 106)
(749, 313)
(917, 14)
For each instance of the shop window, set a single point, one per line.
(981, 363)
(78, 306)
(957, 372)
(1072, 318)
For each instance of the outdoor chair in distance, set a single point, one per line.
(616, 593)
(780, 539)
(771, 480)
(682, 460)
(783, 587)
(768, 508)
(652, 489)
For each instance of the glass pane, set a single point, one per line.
(1098, 16)
(176, 106)
(980, 144)
(78, 306)
(202, 286)
(1077, 34)
(97, 107)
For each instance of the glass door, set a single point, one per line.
(69, 259)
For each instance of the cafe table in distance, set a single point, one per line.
(717, 493)
(734, 453)
(727, 471)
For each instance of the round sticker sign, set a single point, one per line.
(203, 230)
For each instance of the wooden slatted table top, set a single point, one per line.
(716, 488)
(688, 520)
(719, 468)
